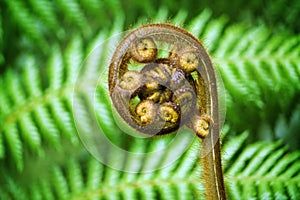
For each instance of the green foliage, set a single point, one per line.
(261, 171)
(42, 46)
(260, 66)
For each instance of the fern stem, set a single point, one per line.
(213, 174)
(211, 146)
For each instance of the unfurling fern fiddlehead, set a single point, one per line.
(161, 78)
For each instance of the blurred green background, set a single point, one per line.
(255, 45)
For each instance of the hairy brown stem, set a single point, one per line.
(212, 170)
(211, 146)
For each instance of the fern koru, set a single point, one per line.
(169, 91)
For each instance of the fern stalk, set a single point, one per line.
(213, 172)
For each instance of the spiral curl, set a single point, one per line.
(165, 87)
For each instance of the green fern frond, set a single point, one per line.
(31, 114)
(262, 170)
(36, 106)
(13, 190)
(90, 179)
(27, 23)
(35, 25)
(180, 18)
(55, 69)
(232, 146)
(260, 71)
(45, 10)
(74, 14)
